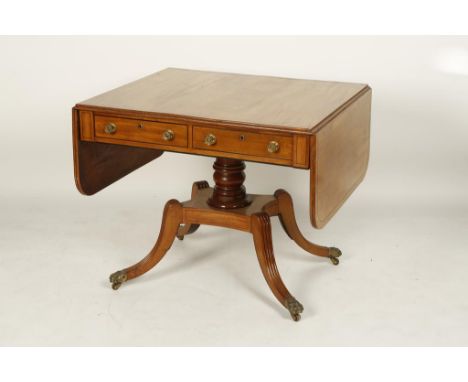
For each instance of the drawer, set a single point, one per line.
(266, 145)
(136, 130)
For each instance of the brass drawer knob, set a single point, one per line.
(210, 140)
(110, 128)
(168, 135)
(273, 147)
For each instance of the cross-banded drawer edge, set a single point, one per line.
(291, 149)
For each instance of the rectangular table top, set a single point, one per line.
(273, 102)
(317, 125)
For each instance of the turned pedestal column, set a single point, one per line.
(229, 191)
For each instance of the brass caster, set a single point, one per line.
(116, 286)
(117, 279)
(295, 308)
(334, 253)
(296, 316)
(334, 260)
(180, 237)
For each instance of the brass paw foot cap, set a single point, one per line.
(333, 254)
(117, 279)
(295, 308)
(296, 316)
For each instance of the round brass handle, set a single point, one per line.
(273, 147)
(110, 128)
(168, 135)
(210, 140)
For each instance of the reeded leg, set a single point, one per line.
(187, 229)
(261, 231)
(288, 221)
(172, 218)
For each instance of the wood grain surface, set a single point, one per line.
(138, 130)
(319, 125)
(242, 142)
(180, 219)
(295, 104)
(97, 165)
(339, 159)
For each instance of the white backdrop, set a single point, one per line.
(404, 232)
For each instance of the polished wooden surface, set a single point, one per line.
(242, 142)
(316, 125)
(285, 103)
(339, 159)
(229, 191)
(97, 165)
(180, 219)
(139, 130)
(171, 220)
(196, 105)
(187, 229)
(293, 151)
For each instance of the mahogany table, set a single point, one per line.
(319, 126)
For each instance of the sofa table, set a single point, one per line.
(319, 126)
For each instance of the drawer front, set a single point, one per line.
(167, 134)
(264, 145)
